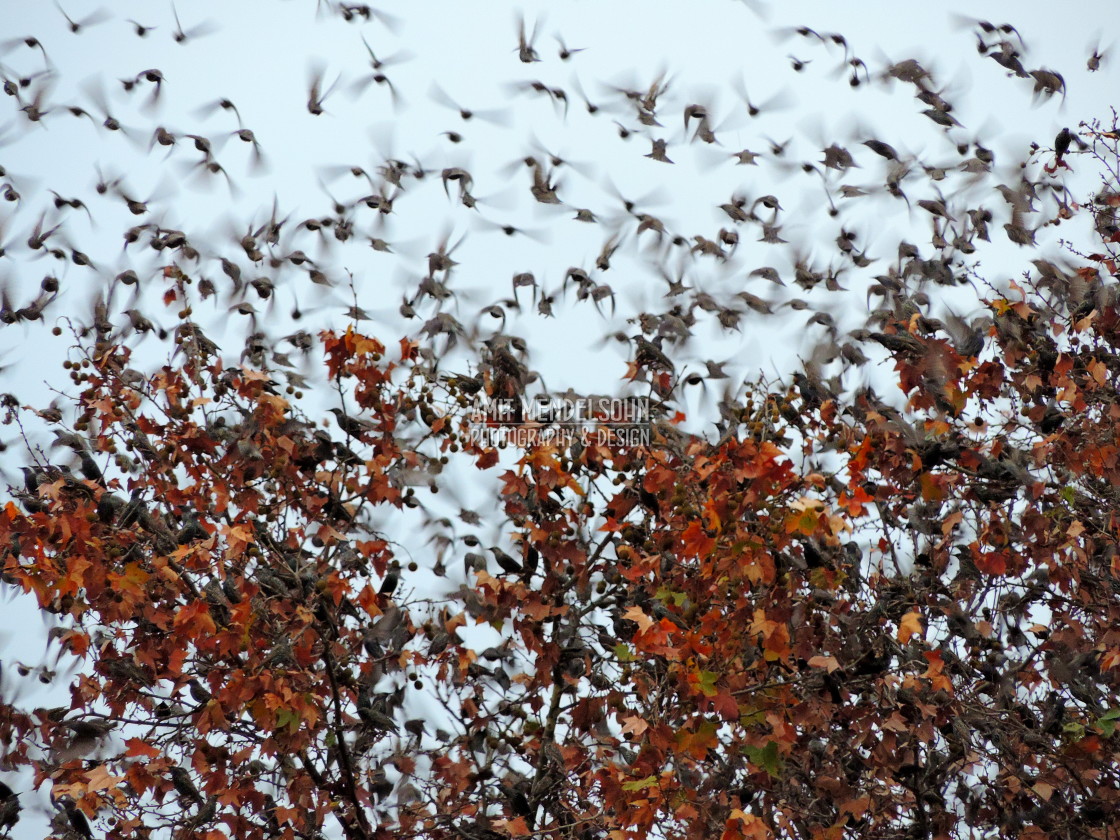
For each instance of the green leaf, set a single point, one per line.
(640, 784)
(753, 717)
(623, 652)
(765, 757)
(1106, 723)
(287, 718)
(708, 681)
(665, 595)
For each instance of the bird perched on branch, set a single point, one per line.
(509, 565)
(354, 427)
(1062, 143)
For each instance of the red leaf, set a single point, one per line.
(138, 747)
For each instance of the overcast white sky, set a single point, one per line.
(261, 55)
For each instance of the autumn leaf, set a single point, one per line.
(138, 747)
(766, 757)
(640, 784)
(1044, 790)
(636, 615)
(100, 779)
(909, 626)
(829, 663)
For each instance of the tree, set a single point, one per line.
(850, 613)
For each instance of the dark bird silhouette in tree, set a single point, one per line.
(508, 564)
(77, 820)
(1061, 146)
(9, 807)
(354, 427)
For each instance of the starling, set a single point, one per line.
(392, 578)
(354, 427)
(9, 807)
(77, 819)
(508, 564)
(1062, 143)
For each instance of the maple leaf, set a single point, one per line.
(909, 626)
(829, 663)
(636, 615)
(101, 779)
(140, 748)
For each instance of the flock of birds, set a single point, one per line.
(278, 250)
(724, 277)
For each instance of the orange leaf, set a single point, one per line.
(138, 747)
(100, 779)
(911, 625)
(634, 725)
(856, 807)
(636, 615)
(931, 488)
(696, 542)
(517, 827)
(827, 662)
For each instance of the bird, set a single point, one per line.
(317, 96)
(139, 28)
(526, 53)
(77, 820)
(9, 807)
(650, 355)
(76, 26)
(658, 151)
(184, 786)
(392, 579)
(508, 565)
(1061, 144)
(355, 427)
(182, 36)
(1093, 63)
(566, 52)
(882, 149)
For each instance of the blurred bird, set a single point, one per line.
(181, 35)
(96, 16)
(526, 53)
(317, 96)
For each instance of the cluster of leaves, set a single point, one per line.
(228, 600)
